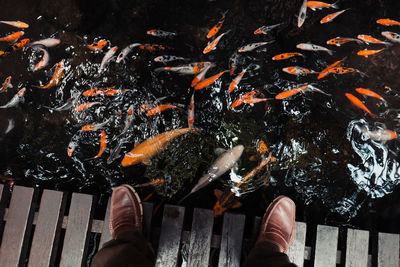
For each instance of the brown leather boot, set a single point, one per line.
(126, 210)
(278, 224)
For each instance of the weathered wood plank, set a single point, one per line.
(147, 216)
(76, 234)
(170, 237)
(296, 250)
(231, 242)
(48, 227)
(200, 237)
(357, 248)
(18, 226)
(105, 234)
(255, 230)
(326, 246)
(388, 250)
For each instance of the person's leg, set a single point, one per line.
(128, 246)
(276, 235)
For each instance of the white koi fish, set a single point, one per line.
(116, 152)
(107, 57)
(128, 121)
(302, 14)
(7, 84)
(313, 47)
(392, 36)
(380, 135)
(237, 80)
(213, 44)
(18, 98)
(95, 127)
(161, 33)
(191, 112)
(44, 61)
(251, 47)
(72, 145)
(49, 42)
(167, 58)
(126, 51)
(192, 68)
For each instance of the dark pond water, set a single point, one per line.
(333, 171)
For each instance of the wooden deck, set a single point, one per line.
(48, 231)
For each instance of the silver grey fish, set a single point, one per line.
(302, 14)
(161, 33)
(107, 57)
(126, 51)
(250, 47)
(19, 97)
(313, 47)
(192, 68)
(49, 42)
(168, 58)
(266, 29)
(221, 165)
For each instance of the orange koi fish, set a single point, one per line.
(94, 127)
(3, 53)
(367, 53)
(57, 76)
(115, 91)
(314, 5)
(201, 75)
(143, 152)
(21, 44)
(161, 108)
(388, 22)
(236, 81)
(342, 70)
(96, 46)
(214, 30)
(332, 16)
(7, 84)
(370, 93)
(12, 37)
(296, 70)
(192, 68)
(301, 89)
(96, 91)
(338, 41)
(103, 144)
(213, 45)
(325, 71)
(357, 102)
(18, 24)
(152, 47)
(207, 82)
(253, 100)
(44, 61)
(191, 112)
(371, 40)
(286, 56)
(153, 182)
(380, 135)
(239, 101)
(85, 106)
(262, 150)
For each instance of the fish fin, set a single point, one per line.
(330, 52)
(218, 193)
(313, 9)
(335, 5)
(225, 12)
(236, 204)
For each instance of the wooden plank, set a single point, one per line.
(76, 234)
(47, 231)
(296, 250)
(231, 242)
(326, 246)
(255, 230)
(170, 237)
(105, 234)
(388, 250)
(18, 226)
(200, 238)
(357, 248)
(147, 216)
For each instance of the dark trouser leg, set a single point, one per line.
(265, 254)
(129, 249)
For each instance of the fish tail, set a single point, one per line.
(330, 52)
(335, 5)
(224, 13)
(159, 69)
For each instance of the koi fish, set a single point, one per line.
(128, 120)
(392, 36)
(161, 33)
(370, 93)
(57, 76)
(6, 84)
(96, 91)
(161, 108)
(266, 29)
(18, 98)
(103, 144)
(253, 100)
(371, 40)
(96, 46)
(12, 37)
(201, 75)
(357, 102)
(44, 61)
(262, 150)
(94, 127)
(167, 58)
(221, 165)
(296, 70)
(297, 90)
(191, 112)
(236, 81)
(207, 82)
(107, 57)
(332, 16)
(48, 42)
(380, 135)
(85, 106)
(143, 152)
(302, 14)
(72, 146)
(314, 5)
(284, 56)
(313, 47)
(251, 47)
(126, 51)
(233, 61)
(192, 68)
(367, 53)
(21, 44)
(214, 30)
(115, 91)
(341, 70)
(115, 153)
(213, 45)
(3, 53)
(18, 24)
(66, 106)
(151, 183)
(151, 47)
(325, 71)
(239, 101)
(338, 41)
(388, 22)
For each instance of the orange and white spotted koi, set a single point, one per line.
(44, 61)
(301, 89)
(107, 57)
(213, 45)
(99, 45)
(191, 112)
(366, 52)
(161, 108)
(332, 16)
(371, 40)
(57, 76)
(392, 36)
(103, 144)
(12, 37)
(233, 85)
(97, 91)
(338, 41)
(18, 24)
(325, 71)
(6, 84)
(94, 127)
(214, 30)
(18, 98)
(296, 70)
(284, 56)
(192, 68)
(85, 106)
(201, 75)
